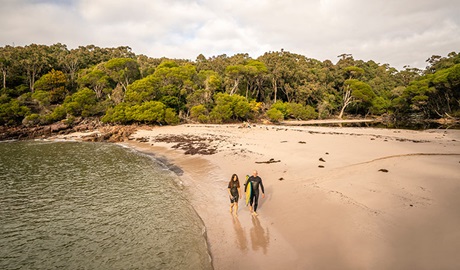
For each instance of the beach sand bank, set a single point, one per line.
(336, 198)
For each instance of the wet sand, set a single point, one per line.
(336, 198)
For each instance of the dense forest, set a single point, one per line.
(46, 84)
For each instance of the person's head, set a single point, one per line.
(234, 177)
(254, 173)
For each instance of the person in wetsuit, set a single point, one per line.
(256, 182)
(234, 192)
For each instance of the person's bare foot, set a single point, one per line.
(255, 214)
(250, 209)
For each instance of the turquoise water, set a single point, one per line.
(74, 205)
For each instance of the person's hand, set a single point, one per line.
(263, 195)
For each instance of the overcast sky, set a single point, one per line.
(394, 32)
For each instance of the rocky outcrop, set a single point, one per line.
(110, 134)
(59, 128)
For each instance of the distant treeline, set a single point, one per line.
(45, 84)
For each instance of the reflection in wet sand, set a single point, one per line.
(241, 240)
(259, 237)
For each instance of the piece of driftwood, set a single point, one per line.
(269, 161)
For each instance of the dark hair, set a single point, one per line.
(237, 179)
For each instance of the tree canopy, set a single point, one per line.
(41, 84)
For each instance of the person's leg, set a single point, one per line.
(256, 202)
(251, 201)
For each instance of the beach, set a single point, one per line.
(336, 197)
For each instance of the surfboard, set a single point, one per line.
(248, 192)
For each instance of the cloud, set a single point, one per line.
(387, 31)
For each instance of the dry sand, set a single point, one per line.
(381, 199)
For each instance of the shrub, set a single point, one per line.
(275, 115)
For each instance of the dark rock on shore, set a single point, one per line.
(105, 132)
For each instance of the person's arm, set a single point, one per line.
(239, 192)
(229, 193)
(262, 187)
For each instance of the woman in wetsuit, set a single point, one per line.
(234, 193)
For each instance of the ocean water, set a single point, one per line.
(74, 205)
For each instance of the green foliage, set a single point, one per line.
(57, 114)
(147, 112)
(53, 82)
(82, 103)
(171, 117)
(199, 113)
(38, 80)
(433, 95)
(380, 105)
(12, 112)
(144, 90)
(221, 114)
(291, 110)
(95, 79)
(43, 97)
(275, 115)
(298, 111)
(32, 120)
(281, 107)
(123, 70)
(230, 107)
(116, 114)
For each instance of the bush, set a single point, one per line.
(281, 107)
(81, 103)
(199, 113)
(171, 117)
(12, 112)
(230, 107)
(31, 120)
(275, 115)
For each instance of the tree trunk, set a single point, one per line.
(347, 99)
(235, 86)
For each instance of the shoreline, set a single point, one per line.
(347, 214)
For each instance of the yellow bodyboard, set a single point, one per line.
(248, 193)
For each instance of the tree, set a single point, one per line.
(53, 82)
(123, 71)
(95, 79)
(230, 107)
(6, 61)
(356, 91)
(81, 103)
(349, 72)
(34, 60)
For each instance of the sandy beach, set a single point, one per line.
(336, 198)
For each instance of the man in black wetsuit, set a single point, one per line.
(256, 182)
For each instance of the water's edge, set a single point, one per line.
(173, 168)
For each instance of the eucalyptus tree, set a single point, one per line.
(96, 79)
(53, 82)
(34, 59)
(122, 71)
(350, 85)
(6, 62)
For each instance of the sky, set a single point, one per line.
(394, 32)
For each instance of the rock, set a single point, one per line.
(383, 170)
